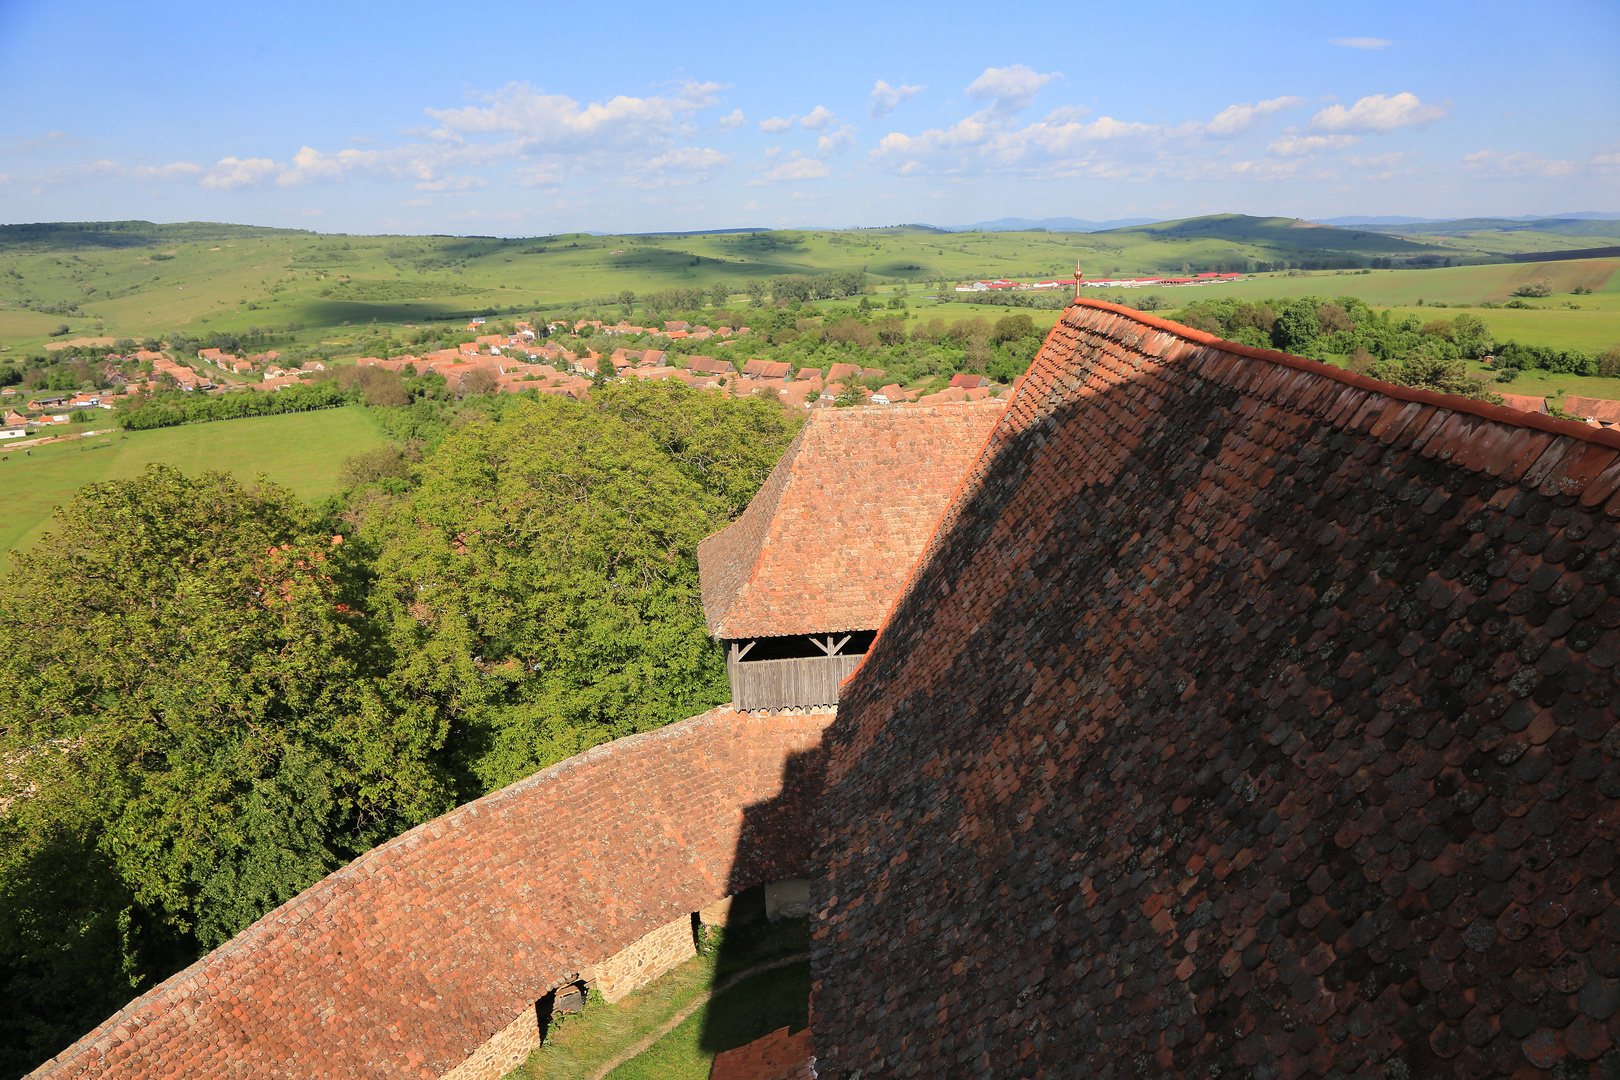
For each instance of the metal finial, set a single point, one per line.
(1078, 277)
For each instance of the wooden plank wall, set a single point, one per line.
(802, 682)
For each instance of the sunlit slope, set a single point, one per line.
(136, 279)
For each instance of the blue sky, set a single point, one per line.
(525, 119)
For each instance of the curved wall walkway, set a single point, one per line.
(413, 956)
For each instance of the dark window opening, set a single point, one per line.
(795, 646)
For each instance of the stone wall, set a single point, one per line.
(437, 944)
(1246, 718)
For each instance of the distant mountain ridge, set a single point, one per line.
(1054, 224)
(1396, 219)
(1566, 226)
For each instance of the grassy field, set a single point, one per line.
(152, 280)
(303, 451)
(581, 1046)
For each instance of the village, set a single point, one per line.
(1002, 284)
(513, 363)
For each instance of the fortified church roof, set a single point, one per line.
(832, 536)
(1290, 748)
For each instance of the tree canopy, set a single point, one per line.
(212, 695)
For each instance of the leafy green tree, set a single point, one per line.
(1472, 336)
(1296, 328)
(1013, 327)
(540, 584)
(190, 716)
(1442, 374)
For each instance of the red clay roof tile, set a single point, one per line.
(1235, 722)
(830, 538)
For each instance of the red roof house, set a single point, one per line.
(708, 365)
(1599, 411)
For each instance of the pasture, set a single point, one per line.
(303, 451)
(146, 280)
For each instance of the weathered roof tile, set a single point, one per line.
(828, 542)
(1246, 715)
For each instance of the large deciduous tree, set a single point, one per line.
(191, 733)
(540, 586)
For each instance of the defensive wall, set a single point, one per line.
(1243, 718)
(426, 956)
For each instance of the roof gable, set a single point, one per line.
(832, 535)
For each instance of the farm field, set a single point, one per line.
(137, 280)
(303, 451)
(1493, 282)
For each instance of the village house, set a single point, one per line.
(1525, 403)
(1595, 411)
(708, 365)
(767, 370)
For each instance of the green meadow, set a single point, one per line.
(303, 451)
(134, 279)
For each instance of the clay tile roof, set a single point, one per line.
(708, 365)
(832, 535)
(777, 1056)
(1525, 403)
(1244, 716)
(1588, 408)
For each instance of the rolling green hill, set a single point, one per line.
(1306, 238)
(137, 279)
(1552, 226)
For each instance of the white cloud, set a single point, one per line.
(558, 123)
(731, 121)
(452, 184)
(777, 124)
(836, 142)
(1377, 113)
(1009, 89)
(1490, 163)
(175, 170)
(1236, 119)
(886, 98)
(232, 173)
(1363, 42)
(700, 95)
(818, 119)
(1301, 145)
(799, 169)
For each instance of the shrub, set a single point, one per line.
(1539, 287)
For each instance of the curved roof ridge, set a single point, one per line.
(1499, 413)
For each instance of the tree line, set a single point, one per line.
(213, 694)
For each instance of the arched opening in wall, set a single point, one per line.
(566, 1000)
(761, 936)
